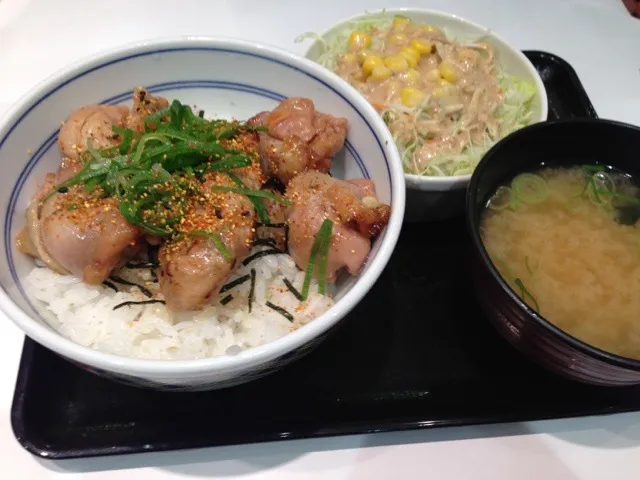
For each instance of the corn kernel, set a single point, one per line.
(430, 29)
(380, 72)
(422, 46)
(362, 55)
(359, 40)
(412, 61)
(413, 51)
(433, 75)
(370, 63)
(411, 97)
(397, 39)
(411, 76)
(396, 63)
(447, 71)
(400, 22)
(348, 58)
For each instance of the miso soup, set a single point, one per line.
(567, 241)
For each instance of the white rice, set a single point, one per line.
(85, 313)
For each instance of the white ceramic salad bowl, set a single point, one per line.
(431, 197)
(226, 78)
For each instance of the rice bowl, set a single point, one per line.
(160, 65)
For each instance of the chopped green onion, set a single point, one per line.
(526, 293)
(154, 118)
(502, 199)
(323, 236)
(526, 263)
(322, 260)
(593, 168)
(230, 163)
(139, 171)
(261, 210)
(603, 185)
(530, 188)
(126, 135)
(216, 240)
(177, 114)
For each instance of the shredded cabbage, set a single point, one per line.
(515, 112)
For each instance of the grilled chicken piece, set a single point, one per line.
(353, 208)
(85, 235)
(87, 124)
(192, 268)
(298, 139)
(72, 232)
(248, 142)
(144, 104)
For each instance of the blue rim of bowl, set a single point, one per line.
(51, 141)
(262, 353)
(454, 182)
(473, 222)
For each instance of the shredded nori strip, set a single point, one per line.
(280, 310)
(262, 253)
(274, 184)
(146, 292)
(292, 289)
(141, 265)
(235, 283)
(226, 299)
(265, 242)
(143, 302)
(110, 285)
(63, 189)
(152, 256)
(253, 287)
(286, 238)
(201, 113)
(272, 225)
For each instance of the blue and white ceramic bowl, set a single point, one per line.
(226, 78)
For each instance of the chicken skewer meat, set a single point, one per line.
(192, 268)
(351, 205)
(75, 231)
(211, 212)
(298, 138)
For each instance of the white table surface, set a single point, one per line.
(597, 37)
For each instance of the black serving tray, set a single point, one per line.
(415, 353)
